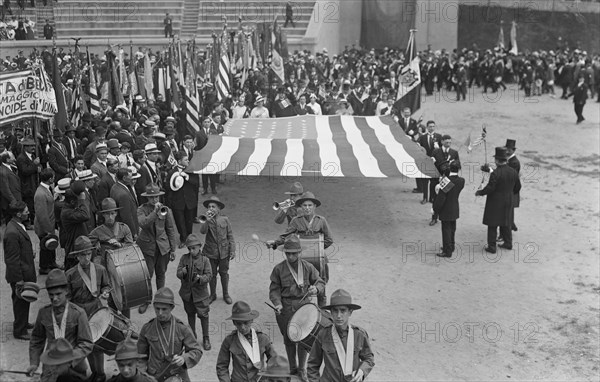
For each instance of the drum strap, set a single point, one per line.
(59, 332)
(90, 282)
(344, 356)
(252, 350)
(298, 277)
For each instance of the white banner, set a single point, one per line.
(26, 94)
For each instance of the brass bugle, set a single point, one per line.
(209, 215)
(282, 205)
(163, 211)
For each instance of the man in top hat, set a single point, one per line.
(183, 195)
(515, 164)
(127, 358)
(44, 222)
(125, 197)
(446, 206)
(73, 217)
(100, 167)
(58, 155)
(219, 246)
(580, 95)
(20, 267)
(176, 350)
(290, 212)
(499, 210)
(245, 347)
(195, 273)
(158, 235)
(29, 167)
(333, 343)
(60, 319)
(292, 281)
(88, 283)
(60, 356)
(149, 171)
(442, 157)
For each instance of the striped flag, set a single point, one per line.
(191, 97)
(409, 89)
(61, 118)
(94, 99)
(276, 60)
(148, 80)
(172, 80)
(308, 145)
(223, 83)
(76, 111)
(513, 39)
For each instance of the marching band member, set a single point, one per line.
(168, 345)
(88, 284)
(291, 280)
(277, 370)
(183, 195)
(283, 214)
(195, 273)
(127, 358)
(60, 356)
(333, 345)
(245, 347)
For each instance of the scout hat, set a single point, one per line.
(241, 312)
(152, 190)
(291, 245)
(127, 350)
(59, 352)
(511, 144)
(151, 148)
(500, 153)
(341, 298)
(308, 196)
(30, 291)
(277, 366)
(49, 242)
(295, 189)
(56, 278)
(82, 244)
(213, 199)
(164, 296)
(109, 204)
(86, 175)
(193, 239)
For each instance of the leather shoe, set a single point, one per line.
(227, 299)
(424, 201)
(514, 228)
(488, 249)
(213, 297)
(505, 246)
(442, 254)
(433, 222)
(44, 271)
(143, 308)
(23, 337)
(206, 343)
(416, 191)
(29, 326)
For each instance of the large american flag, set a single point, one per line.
(330, 146)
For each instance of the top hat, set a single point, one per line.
(59, 352)
(56, 278)
(49, 242)
(291, 245)
(151, 148)
(341, 298)
(295, 189)
(500, 153)
(511, 144)
(152, 189)
(82, 244)
(193, 239)
(127, 350)
(213, 199)
(108, 204)
(164, 296)
(277, 366)
(308, 196)
(241, 311)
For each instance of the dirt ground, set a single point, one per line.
(527, 314)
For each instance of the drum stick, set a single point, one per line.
(17, 372)
(257, 239)
(271, 306)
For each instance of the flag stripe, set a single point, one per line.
(330, 162)
(311, 160)
(294, 158)
(258, 159)
(385, 161)
(366, 161)
(276, 158)
(349, 163)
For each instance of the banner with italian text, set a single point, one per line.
(26, 94)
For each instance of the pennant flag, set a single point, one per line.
(60, 119)
(501, 36)
(513, 39)
(329, 146)
(94, 99)
(472, 144)
(223, 83)
(276, 60)
(409, 88)
(148, 80)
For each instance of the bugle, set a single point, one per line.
(209, 215)
(282, 205)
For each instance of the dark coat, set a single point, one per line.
(10, 187)
(28, 172)
(128, 204)
(440, 157)
(503, 183)
(580, 94)
(187, 196)
(514, 163)
(59, 162)
(67, 145)
(156, 232)
(18, 254)
(104, 186)
(429, 148)
(73, 224)
(446, 204)
(411, 127)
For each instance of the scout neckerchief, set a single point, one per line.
(252, 350)
(310, 224)
(90, 282)
(166, 344)
(298, 277)
(59, 332)
(344, 356)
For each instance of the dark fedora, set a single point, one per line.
(164, 296)
(241, 311)
(59, 352)
(501, 153)
(108, 204)
(152, 189)
(127, 350)
(308, 196)
(511, 144)
(341, 298)
(82, 244)
(56, 278)
(277, 366)
(78, 186)
(213, 199)
(295, 189)
(49, 242)
(291, 244)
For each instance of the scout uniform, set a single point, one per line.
(127, 350)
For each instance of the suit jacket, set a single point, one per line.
(147, 176)
(129, 206)
(74, 224)
(446, 204)
(303, 111)
(43, 201)
(104, 186)
(370, 107)
(187, 196)
(77, 146)
(233, 352)
(439, 157)
(28, 172)
(514, 163)
(18, 254)
(430, 146)
(10, 187)
(411, 129)
(580, 94)
(503, 184)
(156, 232)
(58, 159)
(125, 137)
(99, 169)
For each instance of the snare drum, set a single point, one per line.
(108, 329)
(306, 323)
(130, 279)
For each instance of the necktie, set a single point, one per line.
(72, 143)
(132, 192)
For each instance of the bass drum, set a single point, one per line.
(306, 323)
(130, 279)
